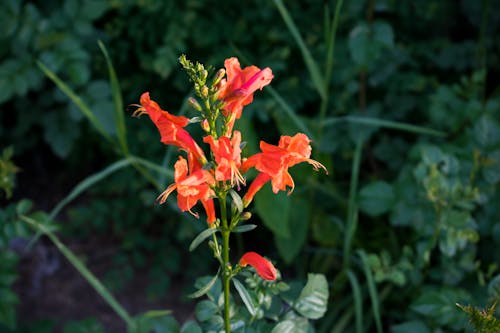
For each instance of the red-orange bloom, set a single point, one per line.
(227, 153)
(191, 188)
(262, 266)
(274, 162)
(170, 127)
(238, 88)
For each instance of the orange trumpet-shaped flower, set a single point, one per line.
(191, 188)
(227, 153)
(274, 161)
(262, 266)
(171, 127)
(237, 89)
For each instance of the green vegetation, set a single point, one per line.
(401, 101)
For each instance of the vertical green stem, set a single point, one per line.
(225, 259)
(352, 207)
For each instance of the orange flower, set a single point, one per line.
(274, 161)
(171, 127)
(262, 266)
(191, 188)
(227, 153)
(237, 90)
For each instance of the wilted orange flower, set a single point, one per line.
(274, 161)
(237, 89)
(191, 188)
(170, 127)
(227, 153)
(262, 266)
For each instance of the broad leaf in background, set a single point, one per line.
(313, 299)
(274, 210)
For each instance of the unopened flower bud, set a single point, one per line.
(205, 126)
(219, 76)
(204, 75)
(194, 103)
(204, 91)
(245, 216)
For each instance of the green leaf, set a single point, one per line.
(75, 99)
(117, 101)
(313, 298)
(415, 326)
(359, 43)
(205, 310)
(87, 183)
(245, 297)
(191, 326)
(274, 210)
(383, 33)
(293, 325)
(236, 200)
(201, 237)
(358, 300)
(244, 228)
(312, 66)
(206, 288)
(376, 198)
(90, 325)
(289, 247)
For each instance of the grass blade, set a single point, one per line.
(117, 101)
(86, 183)
(75, 99)
(82, 269)
(372, 290)
(352, 209)
(312, 66)
(385, 124)
(358, 300)
(290, 112)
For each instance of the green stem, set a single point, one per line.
(352, 210)
(225, 259)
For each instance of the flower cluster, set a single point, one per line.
(205, 177)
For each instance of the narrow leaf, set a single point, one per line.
(244, 228)
(201, 237)
(86, 183)
(117, 101)
(82, 269)
(245, 297)
(372, 290)
(312, 66)
(236, 200)
(358, 300)
(385, 124)
(206, 288)
(75, 99)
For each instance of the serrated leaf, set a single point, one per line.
(203, 290)
(313, 298)
(201, 237)
(245, 297)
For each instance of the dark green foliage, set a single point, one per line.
(412, 96)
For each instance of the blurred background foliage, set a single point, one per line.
(404, 113)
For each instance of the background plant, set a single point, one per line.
(394, 66)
